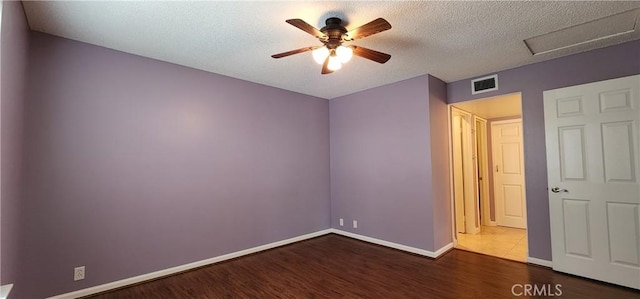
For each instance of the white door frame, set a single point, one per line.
(457, 172)
(471, 210)
(483, 163)
(454, 233)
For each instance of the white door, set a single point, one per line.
(593, 166)
(463, 173)
(508, 167)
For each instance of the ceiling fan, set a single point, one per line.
(333, 54)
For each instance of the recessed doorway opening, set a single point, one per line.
(487, 169)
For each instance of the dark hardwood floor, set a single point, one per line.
(334, 266)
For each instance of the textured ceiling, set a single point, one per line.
(450, 40)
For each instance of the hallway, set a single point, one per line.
(500, 241)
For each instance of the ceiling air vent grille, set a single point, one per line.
(484, 84)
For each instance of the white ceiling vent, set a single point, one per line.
(607, 27)
(484, 84)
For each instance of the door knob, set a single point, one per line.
(558, 190)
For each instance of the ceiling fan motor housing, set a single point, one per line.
(334, 32)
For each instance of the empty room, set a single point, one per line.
(329, 149)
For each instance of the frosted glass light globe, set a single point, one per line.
(320, 54)
(334, 63)
(344, 53)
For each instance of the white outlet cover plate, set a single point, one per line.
(78, 273)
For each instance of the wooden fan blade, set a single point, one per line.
(304, 26)
(325, 67)
(296, 51)
(371, 54)
(376, 26)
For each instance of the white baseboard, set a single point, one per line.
(181, 268)
(5, 290)
(540, 262)
(443, 250)
(415, 250)
(185, 267)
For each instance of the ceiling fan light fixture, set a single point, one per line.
(320, 54)
(344, 53)
(332, 54)
(334, 63)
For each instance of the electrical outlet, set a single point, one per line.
(341, 222)
(78, 273)
(355, 223)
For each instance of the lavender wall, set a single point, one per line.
(13, 63)
(381, 163)
(602, 64)
(135, 165)
(441, 184)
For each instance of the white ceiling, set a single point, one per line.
(495, 107)
(451, 40)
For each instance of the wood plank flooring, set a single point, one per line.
(334, 266)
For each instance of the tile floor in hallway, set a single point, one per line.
(500, 241)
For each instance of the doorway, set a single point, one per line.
(487, 167)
